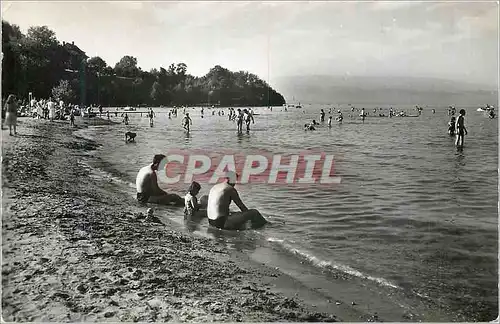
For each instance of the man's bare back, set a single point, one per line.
(147, 187)
(220, 197)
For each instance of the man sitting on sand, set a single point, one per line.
(148, 189)
(220, 197)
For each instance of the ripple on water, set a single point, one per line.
(410, 209)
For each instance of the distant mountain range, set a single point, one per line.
(322, 89)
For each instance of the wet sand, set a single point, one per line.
(77, 249)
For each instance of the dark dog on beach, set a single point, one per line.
(130, 137)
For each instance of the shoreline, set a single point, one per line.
(78, 250)
(258, 287)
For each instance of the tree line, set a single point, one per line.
(38, 63)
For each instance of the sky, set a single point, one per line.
(449, 40)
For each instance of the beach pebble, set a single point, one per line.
(154, 303)
(109, 314)
(81, 288)
(93, 278)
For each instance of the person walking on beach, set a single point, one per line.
(125, 119)
(219, 199)
(461, 131)
(147, 186)
(11, 113)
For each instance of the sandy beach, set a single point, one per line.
(75, 249)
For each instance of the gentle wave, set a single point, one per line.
(329, 265)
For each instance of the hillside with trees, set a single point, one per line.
(37, 62)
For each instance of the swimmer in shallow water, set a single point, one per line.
(309, 127)
(339, 118)
(186, 122)
(451, 126)
(130, 137)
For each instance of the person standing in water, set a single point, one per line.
(248, 117)
(330, 121)
(451, 126)
(186, 121)
(239, 121)
(125, 119)
(340, 117)
(150, 115)
(460, 130)
(363, 114)
(322, 116)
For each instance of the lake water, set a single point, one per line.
(412, 212)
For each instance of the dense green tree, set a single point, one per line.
(38, 63)
(96, 65)
(63, 91)
(127, 67)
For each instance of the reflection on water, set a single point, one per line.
(411, 207)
